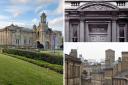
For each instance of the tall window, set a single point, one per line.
(75, 33)
(17, 41)
(25, 41)
(30, 41)
(122, 32)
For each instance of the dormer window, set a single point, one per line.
(120, 3)
(75, 3)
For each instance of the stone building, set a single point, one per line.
(110, 57)
(117, 74)
(97, 78)
(96, 20)
(114, 72)
(15, 36)
(108, 75)
(72, 69)
(46, 36)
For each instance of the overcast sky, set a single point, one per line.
(95, 50)
(27, 12)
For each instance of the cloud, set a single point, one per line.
(35, 21)
(59, 9)
(17, 10)
(18, 23)
(20, 1)
(56, 23)
(40, 2)
(6, 21)
(2, 17)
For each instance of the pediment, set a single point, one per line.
(97, 7)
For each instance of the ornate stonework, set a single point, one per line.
(97, 7)
(96, 13)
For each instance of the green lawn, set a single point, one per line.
(14, 71)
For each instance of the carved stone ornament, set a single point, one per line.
(97, 7)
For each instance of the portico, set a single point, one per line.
(96, 22)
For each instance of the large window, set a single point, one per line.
(122, 32)
(75, 32)
(25, 41)
(17, 41)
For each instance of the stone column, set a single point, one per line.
(125, 32)
(81, 30)
(118, 35)
(86, 31)
(67, 31)
(109, 32)
(114, 30)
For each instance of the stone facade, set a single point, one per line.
(46, 36)
(72, 69)
(96, 21)
(15, 36)
(98, 78)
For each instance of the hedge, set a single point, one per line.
(50, 58)
(55, 67)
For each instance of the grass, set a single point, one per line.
(55, 67)
(14, 71)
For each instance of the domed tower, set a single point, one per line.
(43, 18)
(43, 36)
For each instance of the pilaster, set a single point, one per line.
(81, 30)
(114, 31)
(67, 30)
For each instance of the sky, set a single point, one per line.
(95, 51)
(27, 12)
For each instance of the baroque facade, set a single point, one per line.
(46, 36)
(15, 36)
(96, 20)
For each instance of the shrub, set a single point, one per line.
(53, 59)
